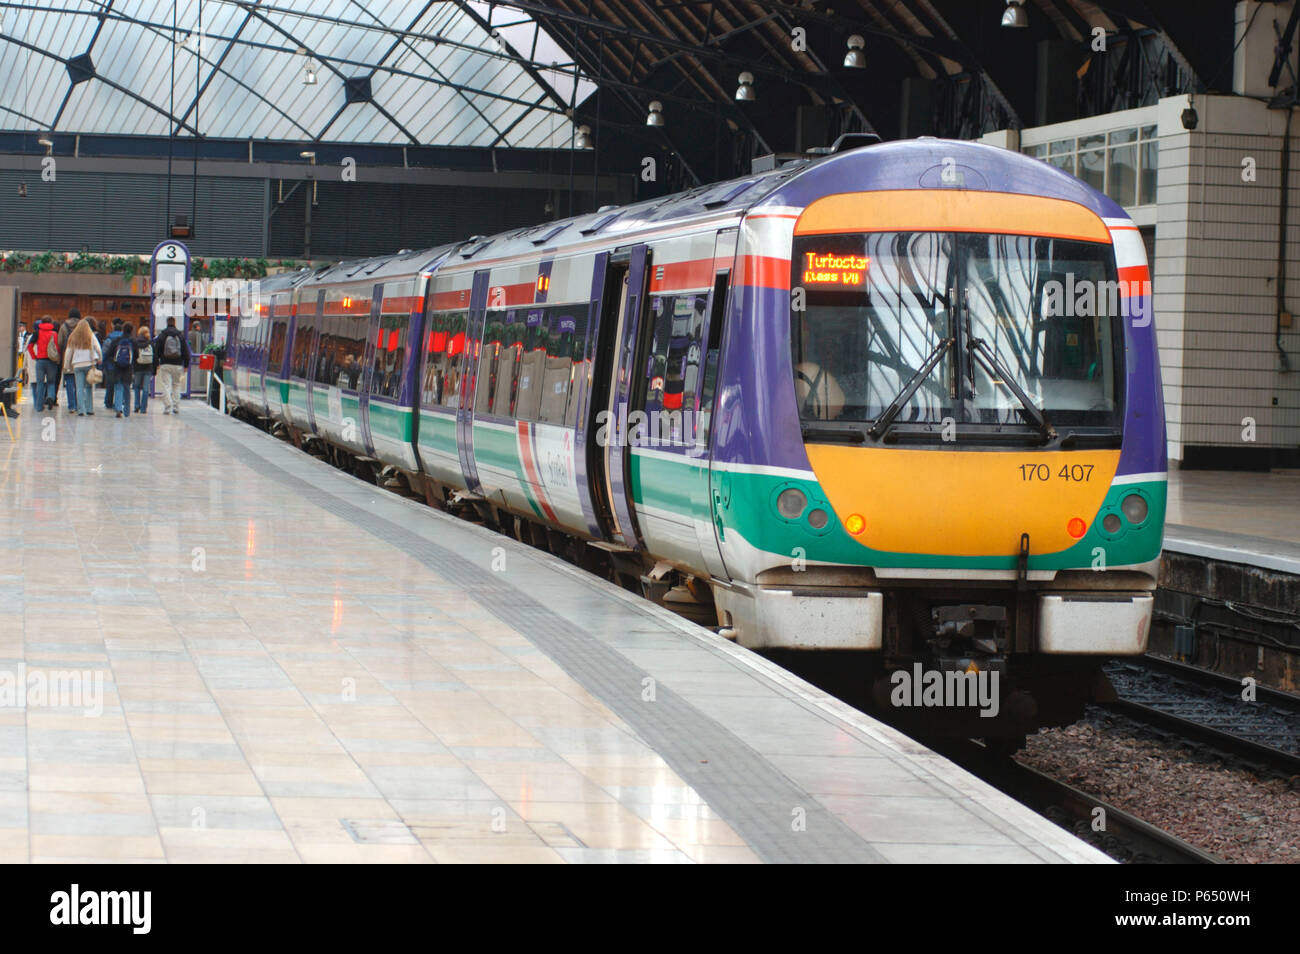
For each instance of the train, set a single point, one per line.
(899, 403)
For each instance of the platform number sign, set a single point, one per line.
(169, 283)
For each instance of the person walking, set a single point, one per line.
(69, 379)
(144, 368)
(171, 356)
(43, 350)
(108, 344)
(81, 356)
(121, 357)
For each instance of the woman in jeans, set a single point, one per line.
(82, 354)
(143, 367)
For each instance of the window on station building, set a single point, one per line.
(673, 368)
(1123, 163)
(444, 361)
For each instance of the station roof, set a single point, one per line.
(530, 73)
(379, 71)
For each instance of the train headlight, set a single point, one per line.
(854, 523)
(817, 519)
(1110, 523)
(1076, 527)
(791, 503)
(1135, 508)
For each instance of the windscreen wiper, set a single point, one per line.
(881, 424)
(985, 355)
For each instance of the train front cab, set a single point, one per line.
(940, 518)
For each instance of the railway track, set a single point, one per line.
(1207, 708)
(1123, 836)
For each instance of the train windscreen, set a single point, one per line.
(976, 328)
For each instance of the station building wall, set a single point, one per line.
(1212, 244)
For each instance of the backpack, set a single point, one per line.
(145, 354)
(172, 347)
(122, 354)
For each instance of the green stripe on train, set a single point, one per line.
(499, 448)
(749, 507)
(391, 423)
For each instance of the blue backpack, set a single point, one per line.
(122, 355)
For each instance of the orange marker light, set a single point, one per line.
(1076, 527)
(855, 524)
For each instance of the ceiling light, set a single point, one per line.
(1014, 15)
(656, 115)
(583, 140)
(308, 76)
(745, 91)
(307, 154)
(855, 59)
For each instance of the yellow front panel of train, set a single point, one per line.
(964, 503)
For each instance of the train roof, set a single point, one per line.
(897, 168)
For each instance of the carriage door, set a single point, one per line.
(620, 369)
(367, 371)
(703, 500)
(469, 381)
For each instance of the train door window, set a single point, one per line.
(327, 350)
(278, 333)
(493, 331)
(454, 368)
(510, 346)
(673, 365)
(580, 359)
(712, 356)
(435, 360)
(353, 350)
(302, 343)
(390, 355)
(532, 365)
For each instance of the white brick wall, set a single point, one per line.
(1215, 268)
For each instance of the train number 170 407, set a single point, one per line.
(1043, 473)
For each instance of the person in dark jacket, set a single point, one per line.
(171, 358)
(120, 355)
(43, 352)
(109, 368)
(69, 379)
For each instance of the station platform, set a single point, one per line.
(1252, 519)
(297, 666)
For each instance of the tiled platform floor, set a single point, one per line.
(1247, 518)
(1258, 505)
(297, 666)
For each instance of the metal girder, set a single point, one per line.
(514, 54)
(403, 40)
(107, 82)
(216, 67)
(253, 8)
